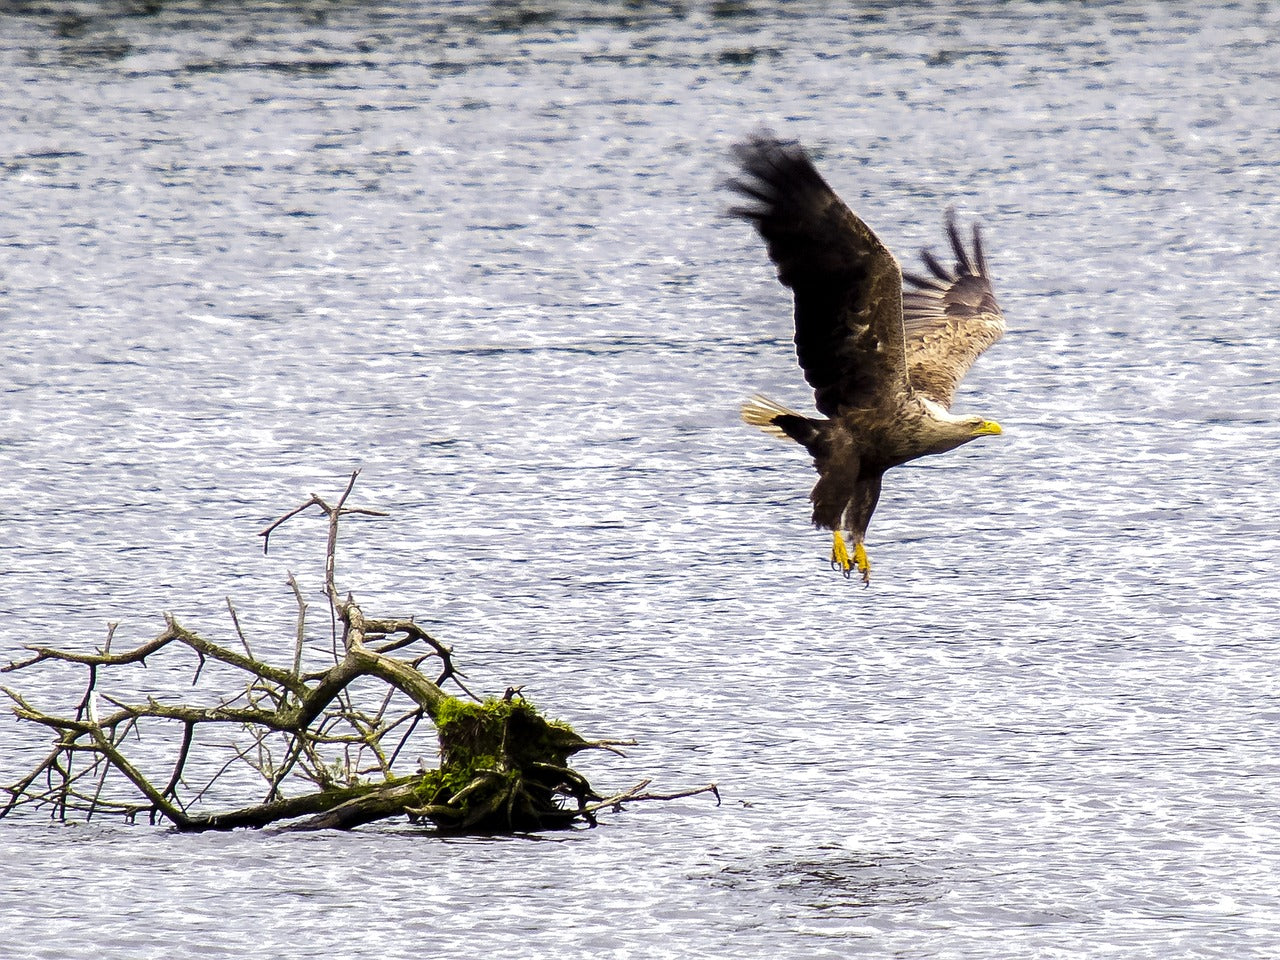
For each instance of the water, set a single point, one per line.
(479, 252)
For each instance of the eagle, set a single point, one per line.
(884, 362)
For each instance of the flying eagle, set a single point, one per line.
(883, 362)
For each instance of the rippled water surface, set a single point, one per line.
(479, 252)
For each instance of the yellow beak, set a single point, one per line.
(988, 428)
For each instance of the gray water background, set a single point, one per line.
(479, 252)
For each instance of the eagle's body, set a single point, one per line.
(883, 363)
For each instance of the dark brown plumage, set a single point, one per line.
(884, 364)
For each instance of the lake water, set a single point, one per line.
(480, 253)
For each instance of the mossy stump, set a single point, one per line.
(503, 767)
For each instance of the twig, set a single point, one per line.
(301, 634)
(235, 621)
(636, 794)
(610, 746)
(137, 655)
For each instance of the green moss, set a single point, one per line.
(497, 764)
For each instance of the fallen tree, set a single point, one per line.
(322, 744)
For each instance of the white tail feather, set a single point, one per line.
(760, 412)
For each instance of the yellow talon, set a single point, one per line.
(840, 559)
(864, 565)
(840, 554)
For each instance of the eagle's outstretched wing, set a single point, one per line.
(847, 286)
(950, 318)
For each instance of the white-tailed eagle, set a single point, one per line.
(884, 363)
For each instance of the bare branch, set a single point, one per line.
(336, 733)
(235, 620)
(637, 793)
(266, 532)
(137, 655)
(301, 634)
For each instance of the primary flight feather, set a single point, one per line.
(884, 363)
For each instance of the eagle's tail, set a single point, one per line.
(765, 413)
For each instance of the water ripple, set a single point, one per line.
(480, 252)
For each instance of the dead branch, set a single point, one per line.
(323, 741)
(636, 794)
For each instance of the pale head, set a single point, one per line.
(944, 431)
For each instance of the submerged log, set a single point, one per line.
(503, 767)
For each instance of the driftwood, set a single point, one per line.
(337, 733)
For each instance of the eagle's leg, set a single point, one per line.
(864, 565)
(840, 554)
(840, 559)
